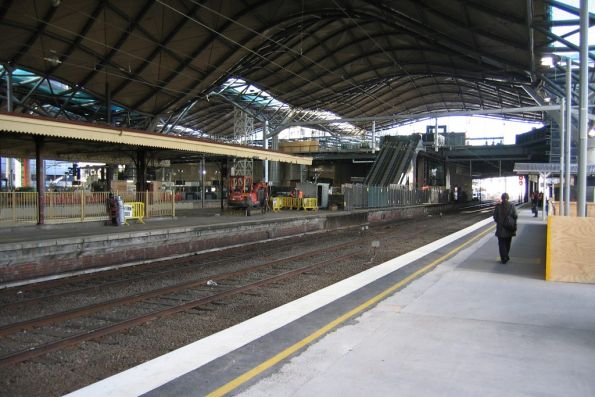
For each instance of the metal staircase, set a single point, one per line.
(393, 160)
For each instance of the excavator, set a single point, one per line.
(244, 194)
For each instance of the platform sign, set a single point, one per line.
(127, 211)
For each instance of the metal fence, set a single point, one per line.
(363, 196)
(18, 207)
(21, 208)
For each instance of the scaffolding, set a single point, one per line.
(243, 127)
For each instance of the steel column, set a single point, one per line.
(562, 159)
(203, 171)
(39, 141)
(9, 97)
(568, 134)
(373, 136)
(141, 174)
(584, 103)
(531, 37)
(265, 145)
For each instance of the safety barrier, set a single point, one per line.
(294, 203)
(282, 202)
(277, 203)
(309, 204)
(134, 210)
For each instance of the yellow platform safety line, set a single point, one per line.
(338, 321)
(137, 211)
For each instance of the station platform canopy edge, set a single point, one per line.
(15, 128)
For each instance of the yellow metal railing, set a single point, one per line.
(18, 208)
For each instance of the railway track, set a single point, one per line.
(35, 293)
(55, 331)
(17, 298)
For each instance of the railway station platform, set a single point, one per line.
(447, 319)
(30, 253)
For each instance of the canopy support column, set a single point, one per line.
(568, 134)
(141, 168)
(39, 170)
(584, 103)
(562, 162)
(265, 145)
(203, 171)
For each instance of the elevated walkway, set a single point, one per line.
(446, 319)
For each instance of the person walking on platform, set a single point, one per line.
(505, 216)
(534, 203)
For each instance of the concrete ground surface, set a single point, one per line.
(471, 327)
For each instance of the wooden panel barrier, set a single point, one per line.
(570, 253)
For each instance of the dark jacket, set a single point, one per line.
(499, 213)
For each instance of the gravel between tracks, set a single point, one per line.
(67, 370)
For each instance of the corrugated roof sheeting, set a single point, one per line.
(353, 58)
(88, 132)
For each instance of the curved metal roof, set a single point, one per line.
(163, 61)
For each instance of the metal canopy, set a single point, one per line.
(161, 61)
(87, 142)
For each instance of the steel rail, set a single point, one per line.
(30, 353)
(66, 315)
(181, 262)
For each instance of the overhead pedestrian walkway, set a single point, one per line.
(447, 319)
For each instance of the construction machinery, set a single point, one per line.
(244, 194)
